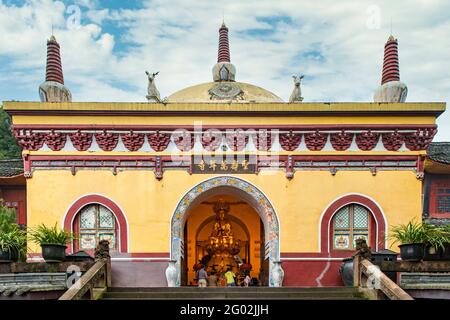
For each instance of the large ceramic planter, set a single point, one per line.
(432, 253)
(9, 255)
(412, 251)
(346, 271)
(446, 253)
(53, 252)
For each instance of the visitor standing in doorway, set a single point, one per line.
(212, 279)
(202, 277)
(247, 280)
(229, 275)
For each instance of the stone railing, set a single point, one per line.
(96, 280)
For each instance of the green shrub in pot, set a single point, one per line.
(13, 240)
(436, 239)
(411, 238)
(13, 244)
(53, 241)
(446, 250)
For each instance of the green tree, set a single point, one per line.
(8, 145)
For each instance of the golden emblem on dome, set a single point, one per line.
(226, 91)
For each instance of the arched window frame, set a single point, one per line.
(122, 223)
(326, 220)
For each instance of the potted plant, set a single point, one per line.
(53, 242)
(412, 238)
(13, 245)
(446, 253)
(13, 240)
(436, 239)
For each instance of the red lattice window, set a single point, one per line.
(440, 197)
(95, 222)
(350, 223)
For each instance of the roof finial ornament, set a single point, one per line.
(223, 70)
(152, 92)
(296, 95)
(391, 89)
(53, 89)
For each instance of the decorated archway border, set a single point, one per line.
(257, 199)
(80, 203)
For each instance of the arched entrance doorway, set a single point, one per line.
(224, 232)
(232, 187)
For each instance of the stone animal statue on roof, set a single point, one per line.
(152, 92)
(296, 95)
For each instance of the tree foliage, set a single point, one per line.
(8, 145)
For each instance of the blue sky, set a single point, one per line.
(338, 45)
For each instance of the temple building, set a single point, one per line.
(228, 175)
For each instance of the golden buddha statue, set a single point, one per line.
(222, 244)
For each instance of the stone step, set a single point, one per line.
(229, 295)
(253, 293)
(242, 298)
(231, 289)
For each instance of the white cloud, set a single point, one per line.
(179, 39)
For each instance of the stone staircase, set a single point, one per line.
(250, 293)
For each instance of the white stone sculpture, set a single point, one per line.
(152, 92)
(296, 95)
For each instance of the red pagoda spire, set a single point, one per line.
(54, 68)
(53, 88)
(391, 70)
(223, 70)
(391, 89)
(224, 48)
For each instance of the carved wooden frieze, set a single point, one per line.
(32, 141)
(55, 140)
(81, 140)
(232, 139)
(341, 141)
(420, 139)
(237, 140)
(211, 140)
(133, 141)
(184, 140)
(315, 141)
(290, 141)
(107, 141)
(392, 141)
(263, 140)
(367, 140)
(158, 141)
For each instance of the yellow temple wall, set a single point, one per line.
(148, 204)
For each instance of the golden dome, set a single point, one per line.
(223, 92)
